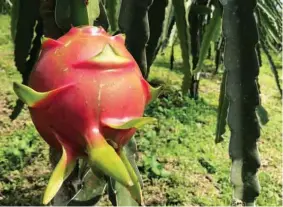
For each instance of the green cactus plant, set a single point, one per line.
(241, 63)
(181, 9)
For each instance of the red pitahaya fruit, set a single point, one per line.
(87, 97)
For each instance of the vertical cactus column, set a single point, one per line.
(241, 63)
(112, 8)
(79, 14)
(133, 21)
(156, 15)
(181, 9)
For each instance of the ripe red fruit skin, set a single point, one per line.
(86, 97)
(99, 92)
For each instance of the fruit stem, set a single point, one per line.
(79, 14)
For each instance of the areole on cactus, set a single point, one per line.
(86, 97)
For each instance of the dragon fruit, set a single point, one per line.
(86, 96)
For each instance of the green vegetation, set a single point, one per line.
(242, 91)
(178, 159)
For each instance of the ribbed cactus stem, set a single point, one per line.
(133, 21)
(181, 9)
(112, 13)
(79, 14)
(241, 63)
(156, 17)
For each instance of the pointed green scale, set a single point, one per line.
(28, 95)
(133, 123)
(33, 98)
(44, 39)
(63, 169)
(107, 54)
(154, 93)
(48, 43)
(105, 158)
(101, 60)
(135, 190)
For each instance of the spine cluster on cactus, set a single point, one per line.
(86, 96)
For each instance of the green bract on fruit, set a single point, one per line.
(86, 97)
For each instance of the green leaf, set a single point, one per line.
(164, 173)
(133, 123)
(268, 40)
(123, 196)
(262, 115)
(93, 188)
(270, 12)
(93, 10)
(272, 67)
(270, 27)
(270, 30)
(131, 151)
(222, 110)
(134, 190)
(157, 168)
(119, 195)
(212, 31)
